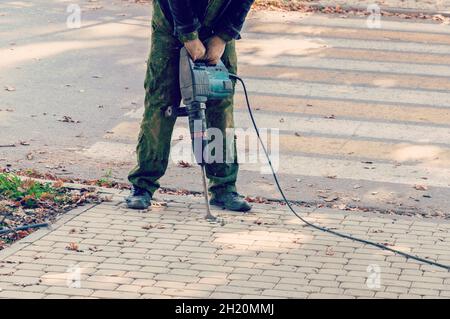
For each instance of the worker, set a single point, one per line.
(208, 30)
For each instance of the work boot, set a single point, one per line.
(139, 198)
(231, 201)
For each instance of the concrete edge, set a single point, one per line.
(104, 190)
(272, 200)
(387, 9)
(312, 211)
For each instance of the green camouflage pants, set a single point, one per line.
(162, 90)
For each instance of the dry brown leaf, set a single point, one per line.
(73, 247)
(329, 251)
(58, 184)
(420, 187)
(10, 88)
(331, 199)
(184, 164)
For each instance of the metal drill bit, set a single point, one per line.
(209, 216)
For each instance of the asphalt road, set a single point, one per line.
(363, 114)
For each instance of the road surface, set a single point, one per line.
(363, 114)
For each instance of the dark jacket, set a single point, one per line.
(187, 17)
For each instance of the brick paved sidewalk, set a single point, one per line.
(172, 251)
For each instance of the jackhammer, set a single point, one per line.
(199, 83)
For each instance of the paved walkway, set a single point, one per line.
(171, 251)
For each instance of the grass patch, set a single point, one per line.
(25, 201)
(27, 192)
(106, 180)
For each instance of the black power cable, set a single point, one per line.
(25, 227)
(321, 228)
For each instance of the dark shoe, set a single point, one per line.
(139, 198)
(231, 201)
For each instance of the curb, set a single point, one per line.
(387, 10)
(103, 190)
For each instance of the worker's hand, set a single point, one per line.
(196, 49)
(215, 50)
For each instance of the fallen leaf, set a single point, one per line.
(10, 88)
(151, 226)
(58, 184)
(258, 222)
(68, 119)
(184, 164)
(258, 200)
(329, 251)
(331, 199)
(159, 204)
(420, 187)
(73, 247)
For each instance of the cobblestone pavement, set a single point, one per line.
(171, 251)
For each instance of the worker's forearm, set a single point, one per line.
(231, 23)
(185, 21)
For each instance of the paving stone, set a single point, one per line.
(224, 295)
(20, 295)
(115, 294)
(284, 294)
(111, 279)
(386, 295)
(180, 278)
(55, 296)
(69, 291)
(187, 293)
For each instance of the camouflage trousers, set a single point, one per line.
(162, 90)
